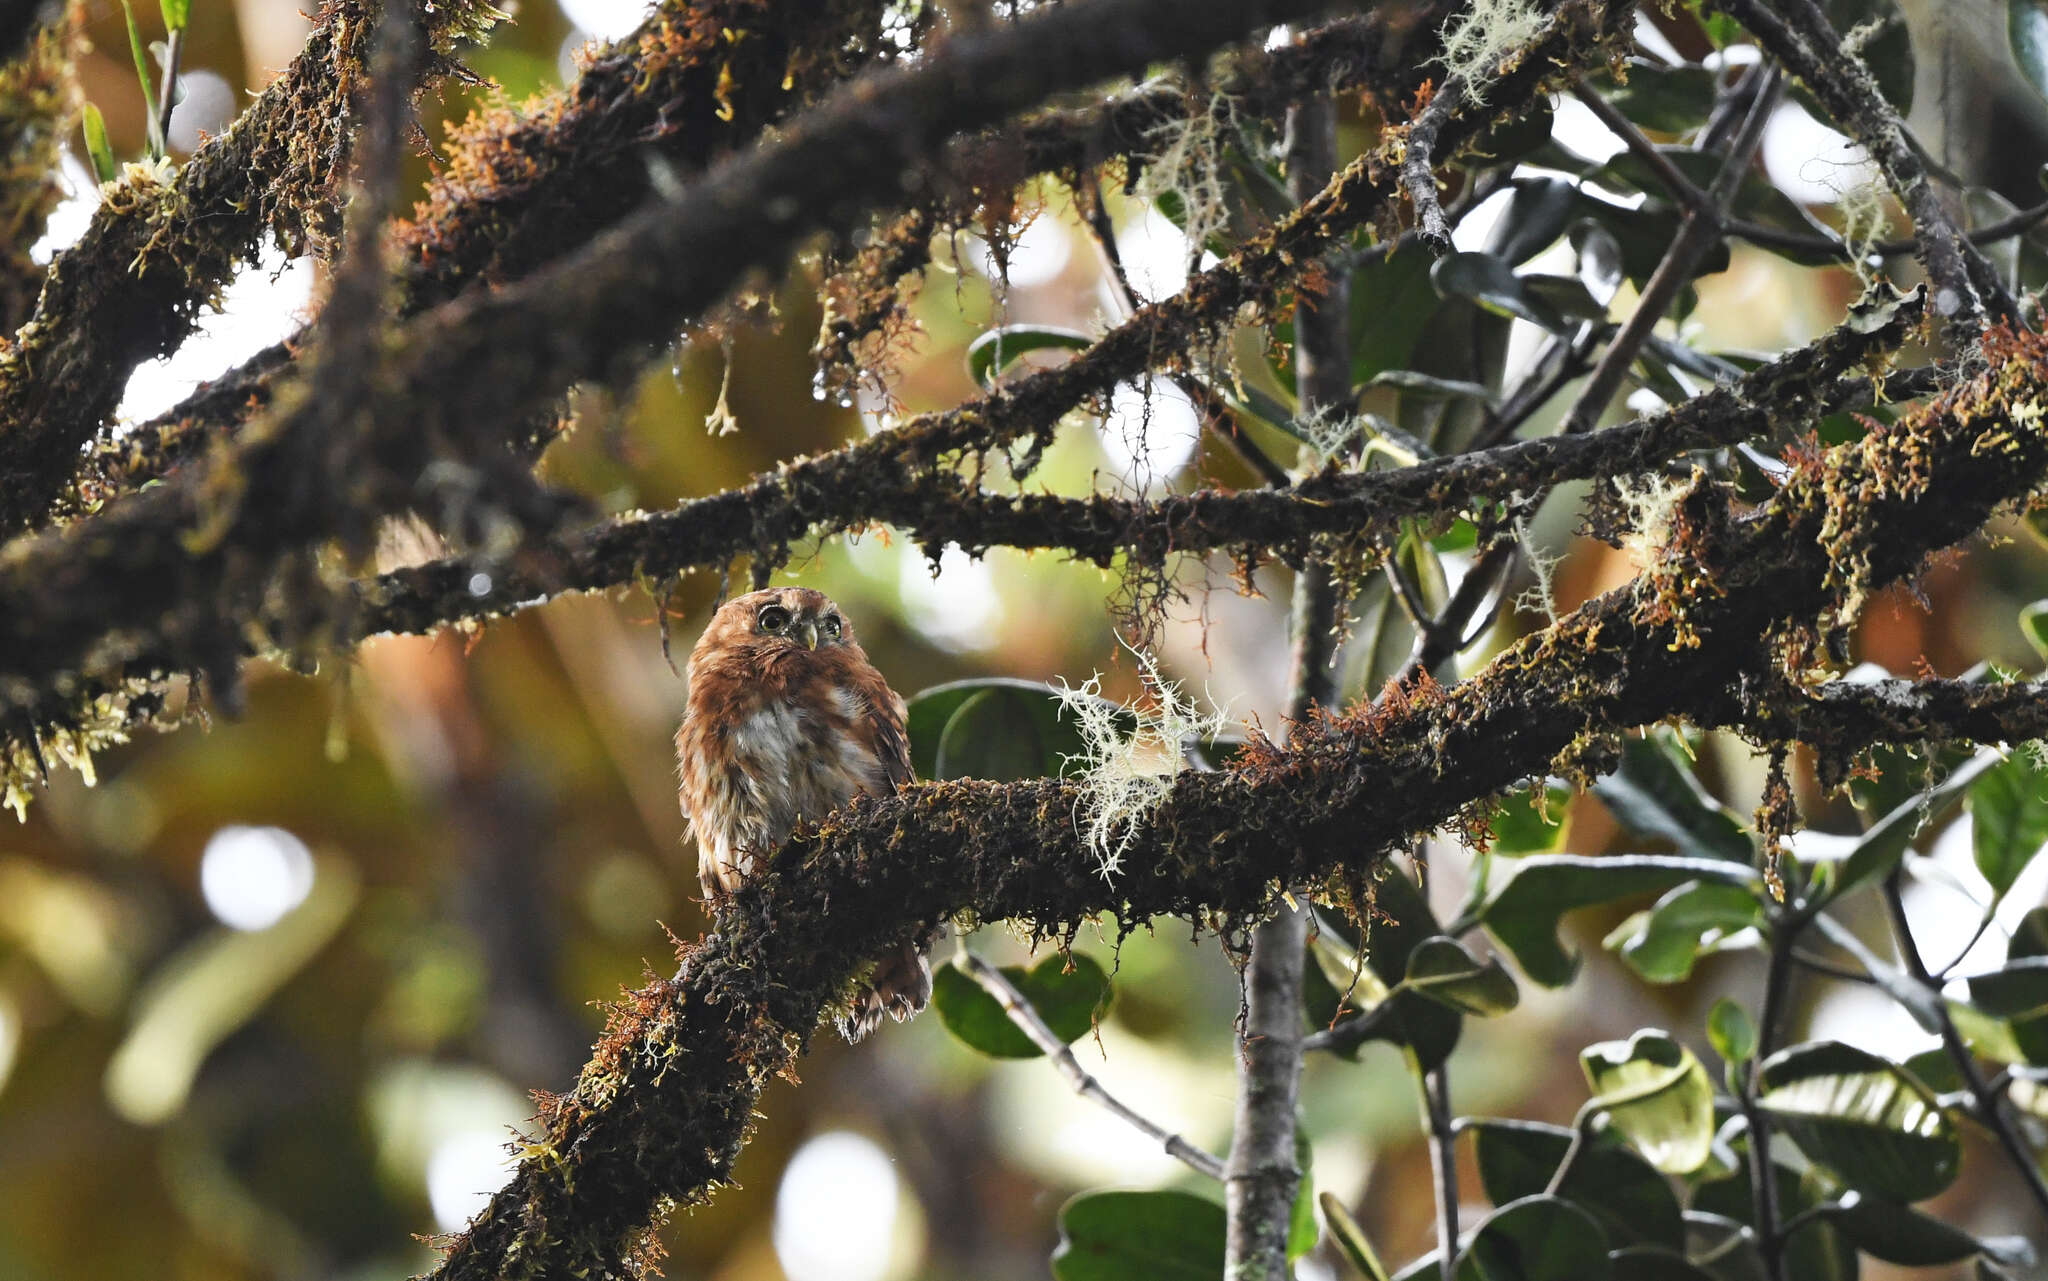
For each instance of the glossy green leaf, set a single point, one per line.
(1538, 1238)
(1517, 1159)
(994, 735)
(1492, 283)
(1653, 792)
(177, 14)
(1535, 216)
(1861, 1117)
(1900, 1234)
(1691, 920)
(1662, 98)
(1643, 234)
(1391, 297)
(1009, 706)
(1887, 841)
(1512, 137)
(995, 351)
(1530, 819)
(1351, 1240)
(2034, 626)
(1755, 198)
(1068, 1000)
(1522, 912)
(1445, 971)
(1114, 1236)
(1656, 1093)
(2009, 818)
(2028, 1033)
(2016, 990)
(97, 148)
(1732, 1032)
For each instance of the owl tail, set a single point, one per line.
(900, 986)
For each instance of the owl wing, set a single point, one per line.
(886, 718)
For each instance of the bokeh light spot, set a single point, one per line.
(252, 876)
(463, 1172)
(835, 1212)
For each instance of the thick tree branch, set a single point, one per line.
(169, 576)
(664, 1105)
(1965, 286)
(871, 482)
(163, 241)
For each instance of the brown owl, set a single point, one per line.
(787, 721)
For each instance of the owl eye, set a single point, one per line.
(829, 628)
(773, 619)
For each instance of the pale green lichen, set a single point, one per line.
(1125, 775)
(1477, 39)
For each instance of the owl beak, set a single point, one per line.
(809, 631)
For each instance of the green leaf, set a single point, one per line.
(1510, 138)
(1654, 1263)
(1816, 1252)
(1530, 819)
(1302, 1232)
(156, 142)
(1114, 1236)
(1538, 1238)
(1522, 912)
(1653, 792)
(2028, 1033)
(1069, 1002)
(1390, 298)
(1491, 283)
(96, 145)
(1663, 98)
(1517, 1159)
(1351, 1240)
(994, 735)
(1732, 1032)
(995, 351)
(1887, 841)
(2009, 818)
(177, 14)
(2034, 626)
(1445, 971)
(1536, 213)
(1877, 1129)
(1655, 1092)
(2017, 990)
(1900, 1234)
(1755, 198)
(1691, 920)
(1012, 703)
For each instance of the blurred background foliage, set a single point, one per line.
(273, 992)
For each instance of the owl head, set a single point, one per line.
(781, 623)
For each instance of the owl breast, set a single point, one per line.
(786, 763)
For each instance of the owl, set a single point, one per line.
(787, 721)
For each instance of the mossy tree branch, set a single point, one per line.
(165, 240)
(665, 1104)
(172, 576)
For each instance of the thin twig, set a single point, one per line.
(1990, 1105)
(1696, 235)
(1763, 1178)
(1218, 419)
(1028, 1021)
(1443, 1162)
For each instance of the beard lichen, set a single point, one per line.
(1130, 756)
